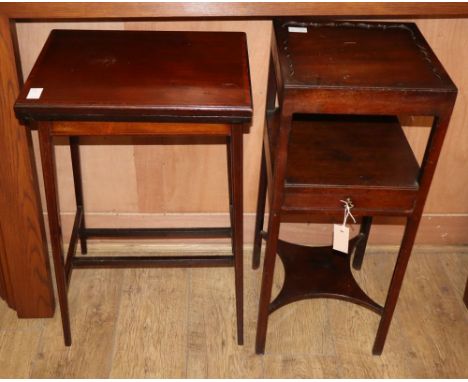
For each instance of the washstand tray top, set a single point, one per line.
(357, 55)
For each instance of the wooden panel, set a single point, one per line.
(63, 10)
(449, 191)
(25, 271)
(149, 177)
(162, 170)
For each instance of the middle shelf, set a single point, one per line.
(334, 157)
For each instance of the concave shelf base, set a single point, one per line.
(319, 272)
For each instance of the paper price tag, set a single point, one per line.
(297, 29)
(34, 93)
(340, 238)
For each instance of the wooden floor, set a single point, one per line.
(181, 323)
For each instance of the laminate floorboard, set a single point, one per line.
(181, 323)
(151, 335)
(94, 301)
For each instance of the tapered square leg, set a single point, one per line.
(267, 282)
(395, 284)
(50, 184)
(236, 171)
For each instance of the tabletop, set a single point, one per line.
(139, 75)
(363, 55)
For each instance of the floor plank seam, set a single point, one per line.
(297, 354)
(188, 304)
(459, 290)
(39, 344)
(117, 317)
(328, 324)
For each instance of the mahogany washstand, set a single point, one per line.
(335, 136)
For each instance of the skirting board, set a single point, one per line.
(433, 230)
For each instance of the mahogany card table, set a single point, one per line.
(139, 83)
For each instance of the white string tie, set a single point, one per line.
(347, 213)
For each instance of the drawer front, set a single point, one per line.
(375, 201)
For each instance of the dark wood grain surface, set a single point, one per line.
(24, 266)
(353, 151)
(140, 75)
(345, 54)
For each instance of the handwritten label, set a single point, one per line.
(340, 238)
